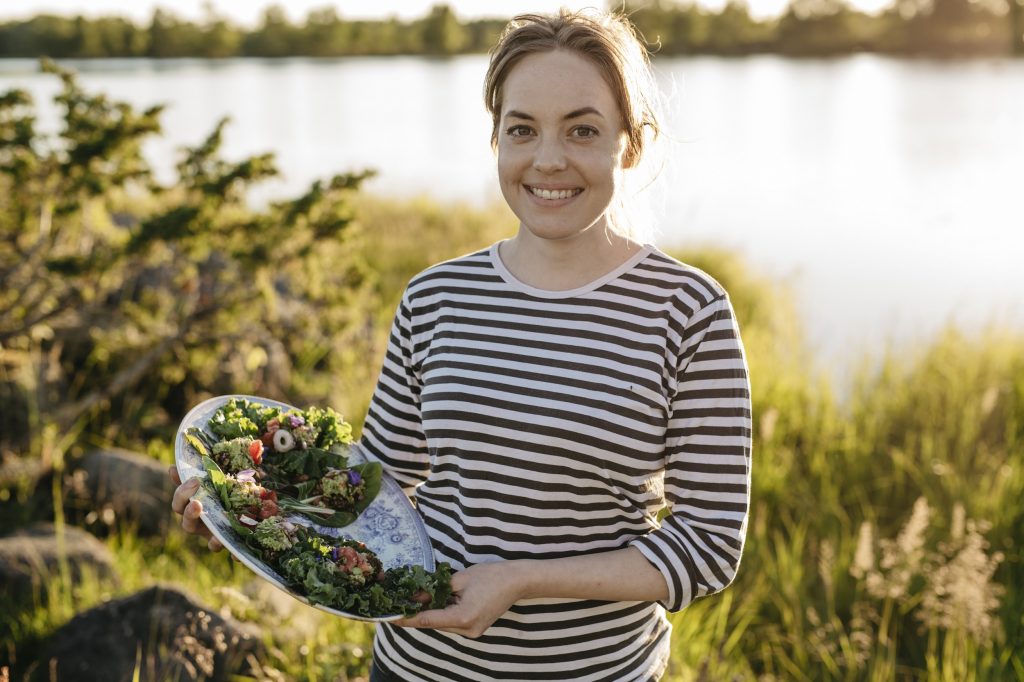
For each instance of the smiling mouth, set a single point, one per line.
(554, 194)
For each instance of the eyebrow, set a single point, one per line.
(576, 113)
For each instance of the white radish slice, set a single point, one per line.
(248, 521)
(283, 440)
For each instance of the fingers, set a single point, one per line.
(190, 510)
(183, 493)
(423, 619)
(429, 618)
(445, 618)
(452, 619)
(190, 520)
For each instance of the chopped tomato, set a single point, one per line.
(348, 559)
(256, 452)
(269, 508)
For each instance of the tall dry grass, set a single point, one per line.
(887, 524)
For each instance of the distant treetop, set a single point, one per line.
(807, 28)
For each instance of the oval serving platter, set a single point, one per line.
(389, 526)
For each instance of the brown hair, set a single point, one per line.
(608, 40)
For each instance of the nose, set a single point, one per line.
(549, 156)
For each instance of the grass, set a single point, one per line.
(885, 538)
(304, 643)
(921, 437)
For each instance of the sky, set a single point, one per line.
(247, 12)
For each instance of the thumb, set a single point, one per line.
(423, 619)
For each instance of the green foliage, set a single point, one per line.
(442, 33)
(303, 568)
(239, 417)
(119, 296)
(885, 538)
(322, 34)
(831, 27)
(330, 426)
(330, 515)
(806, 28)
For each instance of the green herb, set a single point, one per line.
(297, 498)
(240, 417)
(218, 481)
(330, 425)
(404, 590)
(199, 441)
(310, 463)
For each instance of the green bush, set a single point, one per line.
(123, 301)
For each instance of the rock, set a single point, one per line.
(30, 558)
(26, 491)
(162, 633)
(113, 485)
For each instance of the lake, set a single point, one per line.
(888, 194)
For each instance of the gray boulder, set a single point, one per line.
(161, 633)
(26, 491)
(111, 486)
(30, 558)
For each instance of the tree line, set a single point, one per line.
(807, 28)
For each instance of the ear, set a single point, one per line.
(630, 156)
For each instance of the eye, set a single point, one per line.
(584, 132)
(519, 130)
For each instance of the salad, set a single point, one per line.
(264, 464)
(343, 574)
(297, 455)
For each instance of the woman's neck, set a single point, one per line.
(564, 264)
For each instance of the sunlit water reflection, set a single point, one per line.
(887, 192)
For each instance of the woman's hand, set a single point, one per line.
(486, 591)
(482, 594)
(183, 504)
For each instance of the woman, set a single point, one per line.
(545, 398)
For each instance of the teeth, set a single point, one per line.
(555, 194)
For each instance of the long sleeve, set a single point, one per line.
(559, 424)
(707, 460)
(393, 430)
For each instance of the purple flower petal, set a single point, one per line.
(354, 478)
(246, 475)
(295, 422)
(334, 553)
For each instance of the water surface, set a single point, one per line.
(886, 192)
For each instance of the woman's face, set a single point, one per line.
(560, 145)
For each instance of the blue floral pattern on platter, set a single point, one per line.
(389, 526)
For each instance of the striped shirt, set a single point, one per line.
(539, 424)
